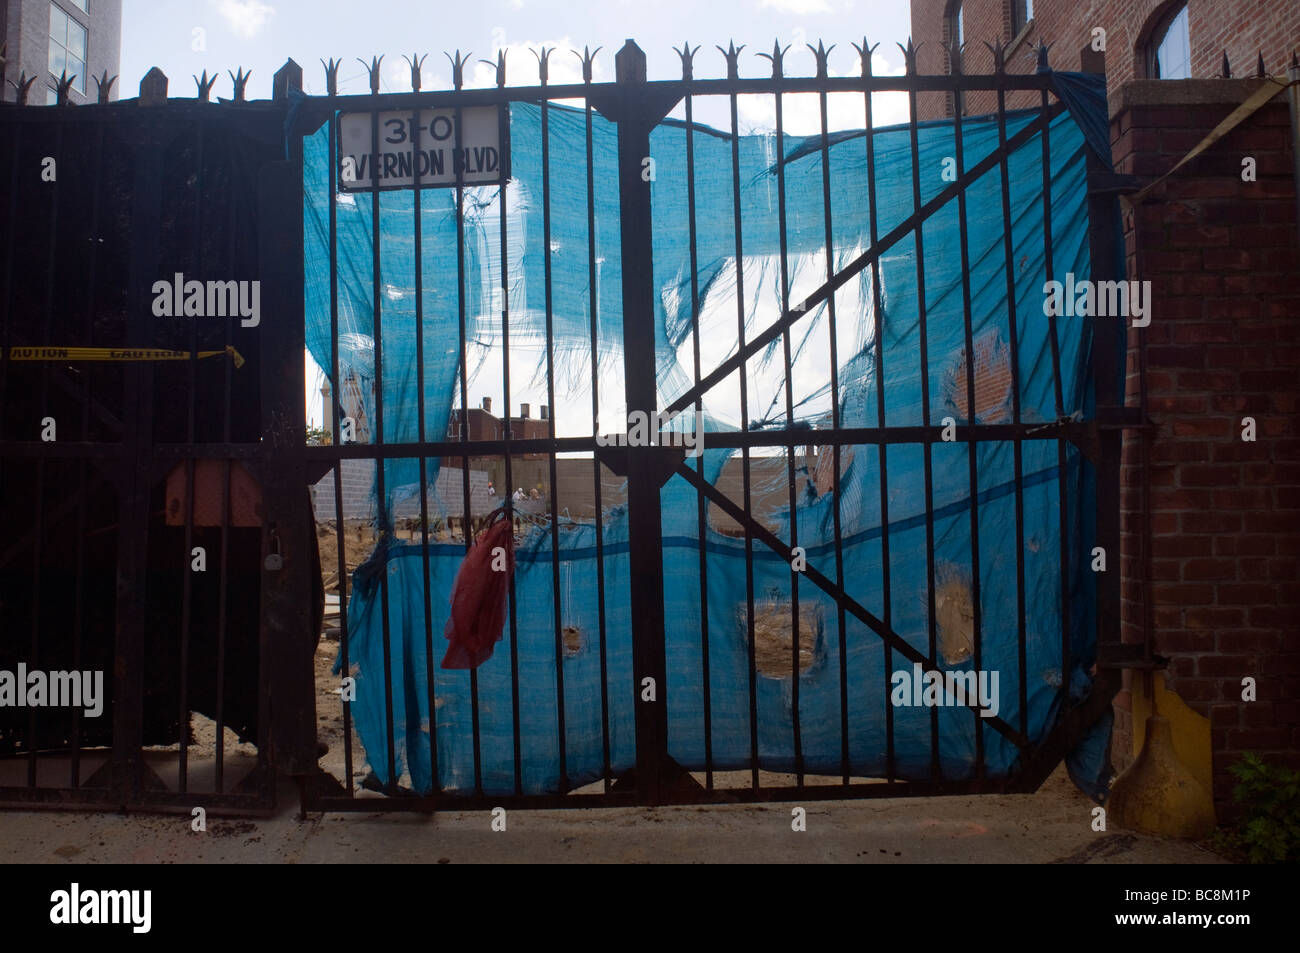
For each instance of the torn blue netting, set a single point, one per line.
(728, 293)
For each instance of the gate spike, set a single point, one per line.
(64, 86)
(954, 50)
(1043, 67)
(999, 58)
(543, 64)
(416, 62)
(909, 55)
(823, 58)
(588, 58)
(864, 54)
(776, 57)
(103, 85)
(23, 87)
(205, 85)
(373, 68)
(1259, 69)
(732, 53)
(1227, 70)
(240, 80)
(688, 59)
(331, 76)
(500, 66)
(457, 68)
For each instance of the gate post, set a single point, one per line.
(637, 112)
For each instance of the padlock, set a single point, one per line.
(274, 561)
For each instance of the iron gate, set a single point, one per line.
(139, 434)
(456, 740)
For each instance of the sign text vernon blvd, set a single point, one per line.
(404, 143)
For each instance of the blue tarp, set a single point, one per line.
(857, 328)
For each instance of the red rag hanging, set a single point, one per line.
(478, 596)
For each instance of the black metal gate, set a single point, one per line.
(638, 107)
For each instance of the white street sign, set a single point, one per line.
(423, 143)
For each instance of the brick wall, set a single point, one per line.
(1242, 28)
(1223, 344)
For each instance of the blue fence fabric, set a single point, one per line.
(859, 326)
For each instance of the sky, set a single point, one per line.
(185, 37)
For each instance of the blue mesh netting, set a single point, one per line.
(857, 328)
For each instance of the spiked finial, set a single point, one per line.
(416, 62)
(864, 54)
(1259, 67)
(909, 56)
(588, 58)
(64, 86)
(1227, 70)
(205, 85)
(104, 85)
(373, 68)
(999, 58)
(954, 49)
(688, 60)
(732, 53)
(823, 58)
(543, 63)
(776, 57)
(23, 87)
(331, 76)
(457, 68)
(240, 80)
(1042, 57)
(500, 66)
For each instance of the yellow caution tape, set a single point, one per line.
(114, 354)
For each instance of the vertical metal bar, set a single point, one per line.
(701, 507)
(224, 580)
(744, 427)
(509, 500)
(335, 440)
(47, 321)
(789, 452)
(187, 584)
(416, 203)
(593, 307)
(10, 245)
(1062, 478)
(88, 328)
(835, 448)
(926, 448)
(1017, 445)
(382, 516)
(964, 244)
(645, 529)
(550, 399)
(878, 314)
(1293, 105)
(467, 524)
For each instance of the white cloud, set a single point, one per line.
(245, 17)
(800, 7)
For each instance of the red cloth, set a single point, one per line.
(478, 597)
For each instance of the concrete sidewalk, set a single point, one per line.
(1051, 826)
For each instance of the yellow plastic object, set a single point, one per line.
(1158, 794)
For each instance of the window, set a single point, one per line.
(1169, 51)
(67, 48)
(80, 5)
(1022, 11)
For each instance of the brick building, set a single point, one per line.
(1210, 492)
(1195, 35)
(43, 38)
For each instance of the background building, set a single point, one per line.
(1144, 39)
(42, 38)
